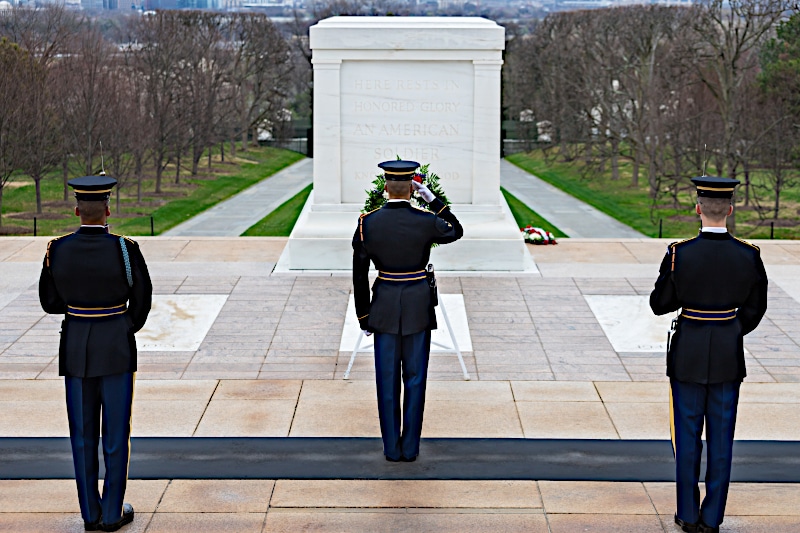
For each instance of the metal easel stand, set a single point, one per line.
(449, 330)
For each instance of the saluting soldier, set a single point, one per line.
(100, 282)
(719, 284)
(397, 238)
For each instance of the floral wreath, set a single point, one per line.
(377, 197)
(537, 235)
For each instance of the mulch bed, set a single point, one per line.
(41, 216)
(15, 230)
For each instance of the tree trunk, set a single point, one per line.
(614, 160)
(2, 187)
(635, 170)
(178, 167)
(138, 171)
(117, 195)
(159, 170)
(245, 126)
(746, 169)
(778, 184)
(222, 152)
(196, 155)
(65, 176)
(651, 175)
(209, 158)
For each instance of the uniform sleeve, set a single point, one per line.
(48, 295)
(664, 298)
(752, 311)
(141, 297)
(447, 227)
(361, 279)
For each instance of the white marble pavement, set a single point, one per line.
(220, 313)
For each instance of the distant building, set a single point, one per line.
(94, 4)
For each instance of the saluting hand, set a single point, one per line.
(423, 191)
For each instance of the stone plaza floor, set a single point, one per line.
(232, 350)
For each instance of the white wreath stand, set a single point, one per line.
(449, 330)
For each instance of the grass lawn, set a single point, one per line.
(634, 207)
(176, 203)
(280, 222)
(525, 216)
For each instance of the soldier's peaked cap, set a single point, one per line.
(715, 187)
(92, 188)
(399, 170)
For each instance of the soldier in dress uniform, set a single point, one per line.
(99, 281)
(397, 238)
(719, 284)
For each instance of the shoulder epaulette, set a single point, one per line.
(50, 243)
(672, 250)
(751, 245)
(361, 218)
(123, 236)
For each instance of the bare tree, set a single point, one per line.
(38, 147)
(203, 77)
(727, 35)
(156, 40)
(84, 97)
(121, 131)
(13, 61)
(260, 75)
(44, 32)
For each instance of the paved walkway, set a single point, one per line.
(548, 361)
(234, 216)
(568, 214)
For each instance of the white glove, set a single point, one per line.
(423, 191)
(367, 333)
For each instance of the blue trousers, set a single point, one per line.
(407, 354)
(693, 404)
(90, 401)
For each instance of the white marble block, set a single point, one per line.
(422, 88)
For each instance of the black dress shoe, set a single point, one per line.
(703, 528)
(392, 460)
(686, 526)
(408, 459)
(127, 518)
(92, 526)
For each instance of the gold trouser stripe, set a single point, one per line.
(672, 421)
(130, 429)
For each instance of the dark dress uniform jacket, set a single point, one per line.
(397, 238)
(711, 272)
(86, 269)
